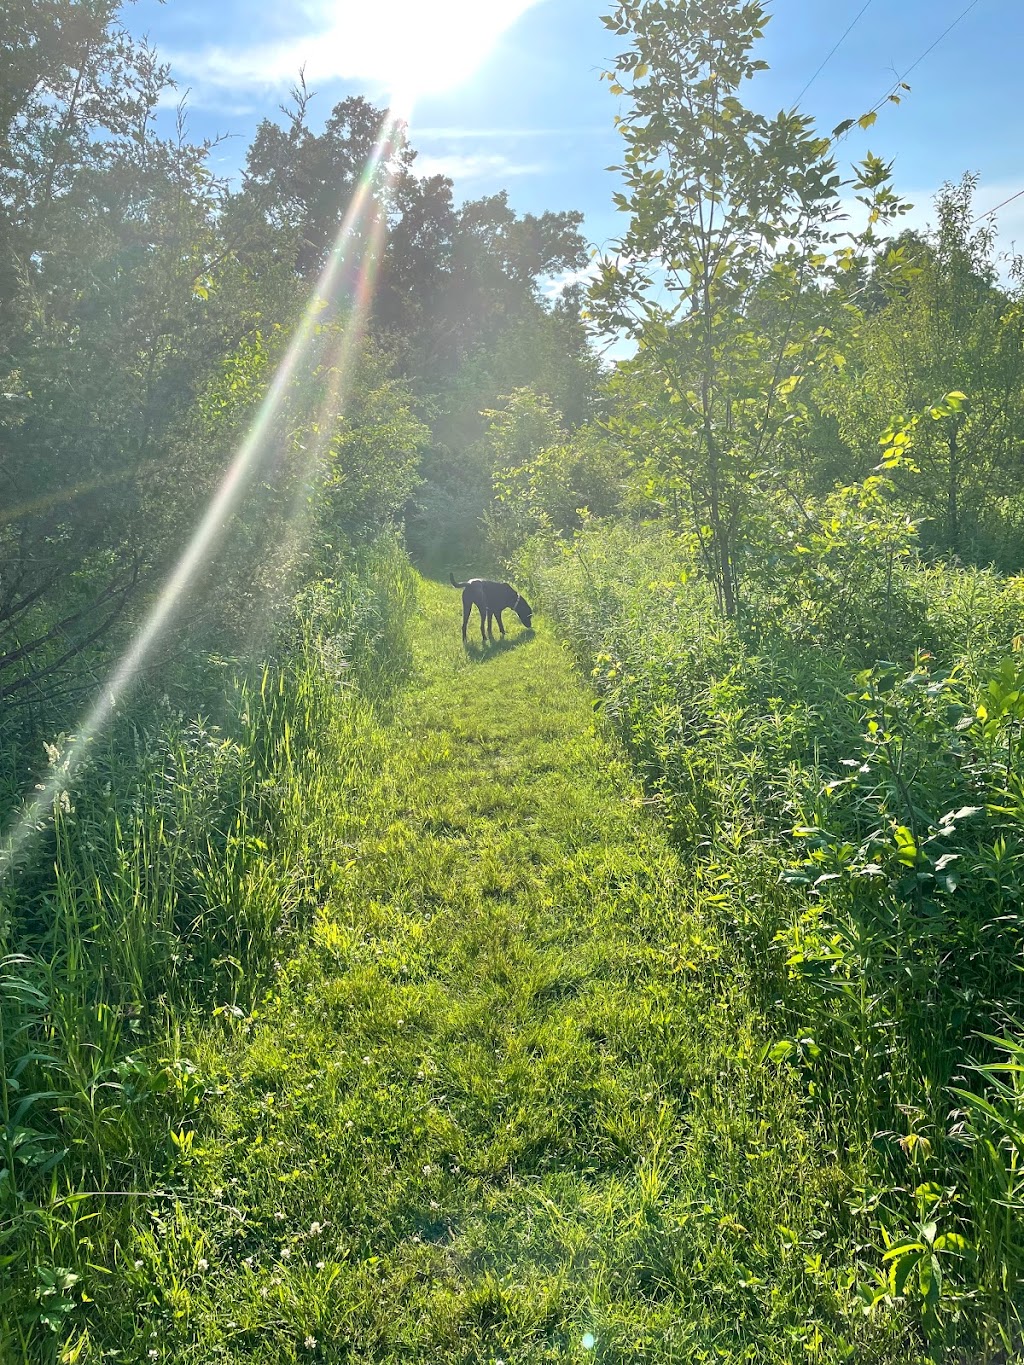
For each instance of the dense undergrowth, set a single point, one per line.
(178, 865)
(503, 1098)
(848, 784)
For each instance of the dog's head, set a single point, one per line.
(525, 612)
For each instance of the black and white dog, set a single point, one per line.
(491, 599)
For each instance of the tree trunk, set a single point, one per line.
(953, 494)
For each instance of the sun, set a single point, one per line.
(414, 48)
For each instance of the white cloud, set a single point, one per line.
(406, 45)
(471, 166)
(556, 285)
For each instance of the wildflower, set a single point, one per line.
(434, 1205)
(203, 1263)
(428, 1170)
(285, 1253)
(309, 1343)
(279, 1215)
(320, 1265)
(153, 1353)
(366, 1061)
(138, 1264)
(314, 1228)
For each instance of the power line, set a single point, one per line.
(927, 52)
(860, 14)
(990, 212)
(901, 82)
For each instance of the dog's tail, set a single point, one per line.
(451, 579)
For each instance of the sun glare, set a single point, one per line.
(415, 49)
(349, 275)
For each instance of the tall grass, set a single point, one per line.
(855, 824)
(169, 882)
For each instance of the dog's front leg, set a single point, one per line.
(483, 622)
(500, 626)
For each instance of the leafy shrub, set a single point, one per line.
(855, 821)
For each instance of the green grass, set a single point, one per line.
(505, 1100)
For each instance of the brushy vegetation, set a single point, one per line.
(358, 1009)
(504, 1100)
(180, 866)
(854, 819)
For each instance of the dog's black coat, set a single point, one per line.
(491, 599)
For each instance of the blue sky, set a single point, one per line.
(510, 96)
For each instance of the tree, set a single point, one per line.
(946, 325)
(727, 207)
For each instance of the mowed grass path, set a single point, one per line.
(507, 1101)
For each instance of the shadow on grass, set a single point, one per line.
(482, 654)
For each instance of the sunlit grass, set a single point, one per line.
(502, 1100)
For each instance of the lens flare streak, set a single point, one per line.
(363, 218)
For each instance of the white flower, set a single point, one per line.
(314, 1228)
(320, 1265)
(153, 1353)
(279, 1216)
(285, 1253)
(310, 1342)
(427, 1169)
(138, 1264)
(203, 1263)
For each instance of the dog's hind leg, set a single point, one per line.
(497, 616)
(483, 622)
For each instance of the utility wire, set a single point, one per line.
(989, 212)
(860, 14)
(927, 52)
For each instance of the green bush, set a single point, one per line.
(176, 869)
(855, 823)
